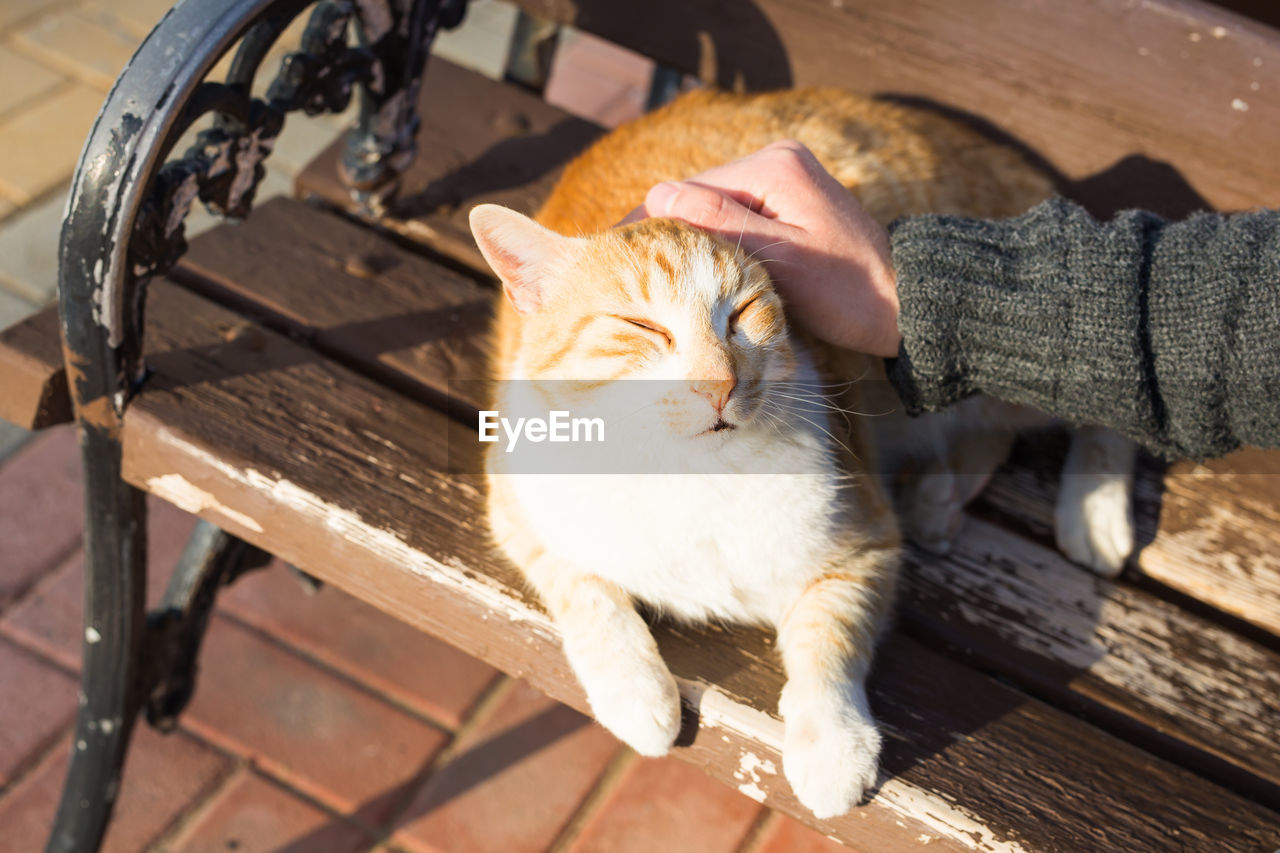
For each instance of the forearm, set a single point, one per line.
(1169, 333)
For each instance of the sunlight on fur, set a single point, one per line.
(735, 392)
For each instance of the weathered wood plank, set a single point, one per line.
(1085, 84)
(1208, 530)
(33, 386)
(1207, 547)
(1038, 617)
(1115, 653)
(396, 314)
(342, 477)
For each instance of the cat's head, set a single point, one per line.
(654, 300)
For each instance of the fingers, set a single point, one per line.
(698, 203)
(777, 181)
(716, 211)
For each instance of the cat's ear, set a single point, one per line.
(520, 251)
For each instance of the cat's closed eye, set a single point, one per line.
(650, 326)
(736, 316)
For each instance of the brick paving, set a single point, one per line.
(319, 724)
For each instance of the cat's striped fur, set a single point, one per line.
(812, 551)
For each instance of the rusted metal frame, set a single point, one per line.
(123, 225)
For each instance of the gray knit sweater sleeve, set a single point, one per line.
(1167, 332)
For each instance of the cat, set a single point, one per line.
(773, 505)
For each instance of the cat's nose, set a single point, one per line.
(715, 391)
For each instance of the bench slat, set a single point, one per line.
(33, 385)
(478, 141)
(397, 315)
(1208, 530)
(1036, 607)
(1180, 686)
(1189, 558)
(337, 474)
(1086, 84)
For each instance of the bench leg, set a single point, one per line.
(118, 680)
(213, 559)
(123, 225)
(114, 598)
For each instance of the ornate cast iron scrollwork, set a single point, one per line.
(225, 165)
(124, 224)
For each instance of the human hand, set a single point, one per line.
(827, 256)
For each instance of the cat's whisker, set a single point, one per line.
(792, 385)
(824, 404)
(746, 214)
(827, 432)
(821, 404)
(752, 256)
(774, 421)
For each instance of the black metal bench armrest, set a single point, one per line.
(124, 224)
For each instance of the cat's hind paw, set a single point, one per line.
(1093, 518)
(1093, 522)
(933, 510)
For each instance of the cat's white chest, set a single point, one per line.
(727, 546)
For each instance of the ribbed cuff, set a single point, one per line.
(1043, 310)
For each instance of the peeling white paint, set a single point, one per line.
(944, 818)
(716, 710)
(752, 765)
(189, 497)
(465, 581)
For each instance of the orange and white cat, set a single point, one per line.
(767, 509)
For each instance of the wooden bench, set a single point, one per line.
(305, 392)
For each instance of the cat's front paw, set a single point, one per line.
(1093, 521)
(830, 754)
(641, 708)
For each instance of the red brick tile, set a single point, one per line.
(665, 804)
(376, 649)
(315, 731)
(41, 507)
(790, 836)
(36, 702)
(164, 776)
(513, 783)
(50, 617)
(253, 814)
